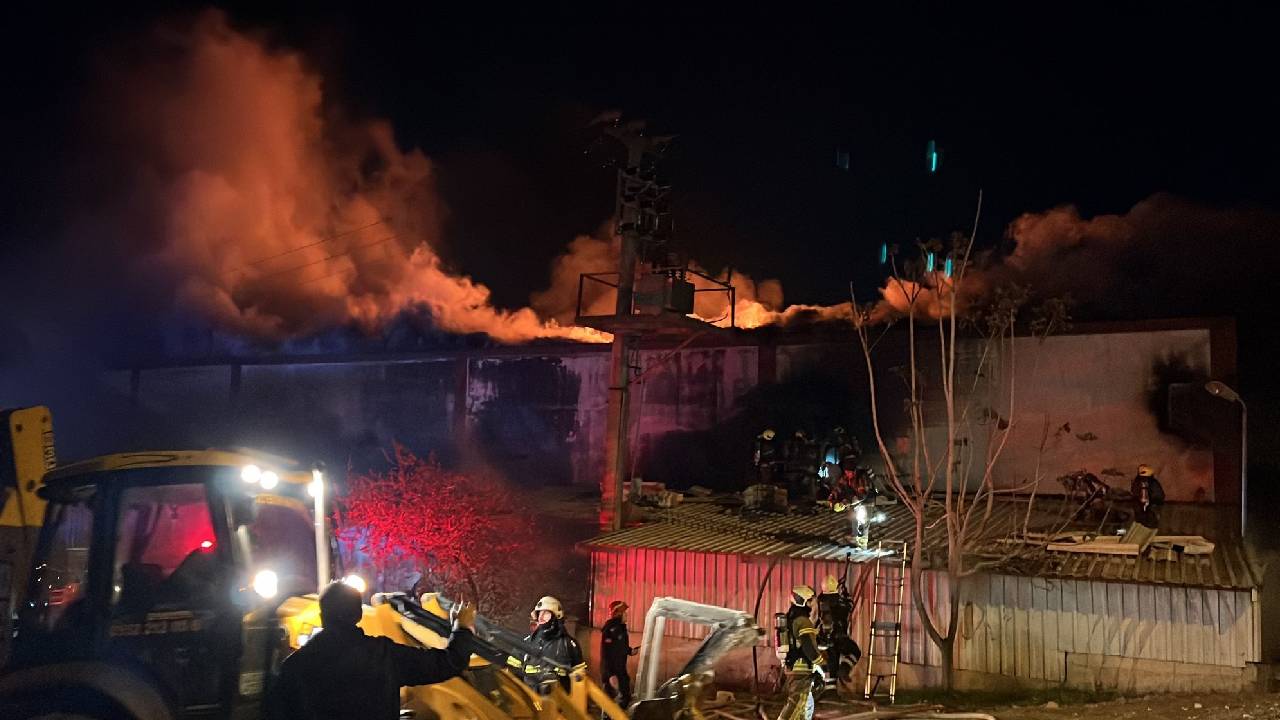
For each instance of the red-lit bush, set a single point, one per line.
(462, 532)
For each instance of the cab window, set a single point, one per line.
(59, 582)
(166, 549)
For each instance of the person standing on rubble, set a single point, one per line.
(553, 642)
(1148, 497)
(765, 458)
(803, 659)
(615, 648)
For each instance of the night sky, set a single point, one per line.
(1093, 107)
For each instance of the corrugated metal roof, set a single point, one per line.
(725, 528)
(719, 528)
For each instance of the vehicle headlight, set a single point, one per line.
(266, 584)
(250, 473)
(356, 582)
(269, 480)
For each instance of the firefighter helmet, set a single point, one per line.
(548, 603)
(768, 434)
(617, 606)
(1145, 471)
(830, 584)
(801, 595)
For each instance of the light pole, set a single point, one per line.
(1222, 390)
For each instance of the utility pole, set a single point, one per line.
(640, 204)
(654, 296)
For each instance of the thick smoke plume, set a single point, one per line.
(251, 200)
(1165, 257)
(275, 216)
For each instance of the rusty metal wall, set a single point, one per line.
(1019, 626)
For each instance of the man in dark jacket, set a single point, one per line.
(553, 642)
(615, 648)
(343, 674)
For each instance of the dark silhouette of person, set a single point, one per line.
(343, 674)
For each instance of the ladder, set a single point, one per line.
(884, 642)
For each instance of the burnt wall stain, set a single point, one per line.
(1171, 376)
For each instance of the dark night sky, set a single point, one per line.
(1089, 107)
(1092, 106)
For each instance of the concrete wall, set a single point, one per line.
(1096, 402)
(539, 412)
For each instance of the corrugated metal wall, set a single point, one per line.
(1018, 626)
(1025, 627)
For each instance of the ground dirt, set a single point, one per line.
(1081, 706)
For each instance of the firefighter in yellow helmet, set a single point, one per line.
(553, 642)
(1148, 497)
(835, 609)
(803, 659)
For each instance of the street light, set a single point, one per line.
(1222, 390)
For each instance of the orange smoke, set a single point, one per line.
(758, 303)
(277, 217)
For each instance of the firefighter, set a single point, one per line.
(835, 607)
(766, 457)
(553, 642)
(1148, 497)
(615, 648)
(801, 466)
(343, 673)
(803, 659)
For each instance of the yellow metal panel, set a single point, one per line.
(175, 458)
(31, 437)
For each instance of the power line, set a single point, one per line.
(348, 251)
(321, 241)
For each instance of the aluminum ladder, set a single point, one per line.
(884, 641)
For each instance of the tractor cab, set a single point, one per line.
(157, 583)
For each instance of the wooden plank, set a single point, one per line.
(1053, 615)
(1177, 624)
(1114, 619)
(1067, 618)
(1008, 658)
(1160, 599)
(1076, 592)
(1035, 628)
(1021, 628)
(1244, 619)
(1129, 625)
(1195, 625)
(991, 622)
(1225, 647)
(1146, 622)
(1097, 619)
(972, 644)
(1096, 548)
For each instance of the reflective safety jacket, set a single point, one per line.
(555, 644)
(802, 653)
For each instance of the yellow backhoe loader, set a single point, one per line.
(171, 584)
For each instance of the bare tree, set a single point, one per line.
(960, 410)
